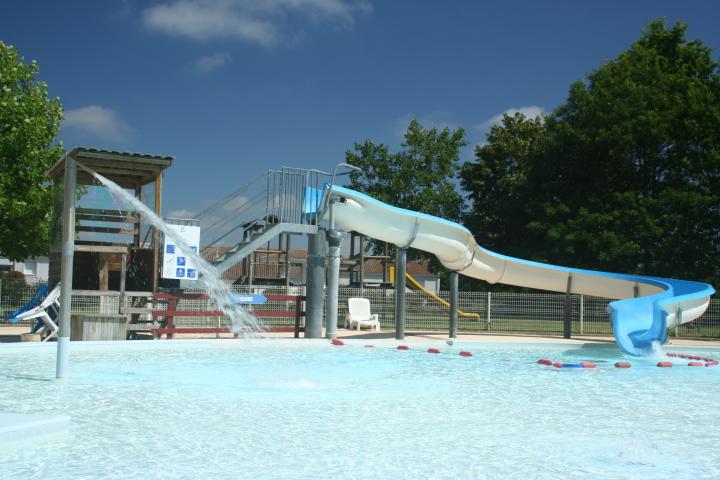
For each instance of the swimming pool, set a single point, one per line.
(305, 409)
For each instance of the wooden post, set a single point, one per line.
(156, 233)
(138, 195)
(171, 307)
(103, 272)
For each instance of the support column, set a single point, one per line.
(454, 300)
(103, 271)
(123, 274)
(362, 263)
(567, 309)
(66, 268)
(385, 263)
(400, 264)
(136, 237)
(333, 273)
(156, 233)
(315, 286)
(287, 259)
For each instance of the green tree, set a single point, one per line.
(29, 123)
(420, 177)
(626, 176)
(497, 182)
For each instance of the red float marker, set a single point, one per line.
(712, 364)
(337, 341)
(558, 365)
(544, 361)
(403, 347)
(622, 365)
(465, 354)
(369, 346)
(664, 364)
(670, 354)
(588, 364)
(433, 350)
(695, 364)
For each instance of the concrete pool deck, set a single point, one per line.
(13, 334)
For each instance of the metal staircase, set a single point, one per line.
(274, 203)
(244, 248)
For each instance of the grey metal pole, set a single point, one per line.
(287, 260)
(489, 311)
(362, 263)
(400, 264)
(315, 285)
(567, 309)
(123, 274)
(454, 300)
(334, 239)
(66, 268)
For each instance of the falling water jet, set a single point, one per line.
(242, 322)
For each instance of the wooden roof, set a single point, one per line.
(127, 169)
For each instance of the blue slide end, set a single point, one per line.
(638, 325)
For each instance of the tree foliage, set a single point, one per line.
(497, 183)
(29, 124)
(624, 176)
(420, 177)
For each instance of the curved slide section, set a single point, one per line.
(644, 309)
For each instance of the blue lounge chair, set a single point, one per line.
(34, 302)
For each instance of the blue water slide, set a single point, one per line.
(644, 307)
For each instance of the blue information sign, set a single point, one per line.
(248, 299)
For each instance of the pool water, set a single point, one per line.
(306, 409)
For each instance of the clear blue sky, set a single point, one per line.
(233, 87)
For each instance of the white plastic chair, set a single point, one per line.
(359, 315)
(41, 312)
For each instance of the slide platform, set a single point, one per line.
(644, 307)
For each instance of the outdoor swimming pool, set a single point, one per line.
(305, 409)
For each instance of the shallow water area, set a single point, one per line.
(305, 409)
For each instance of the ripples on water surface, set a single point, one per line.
(235, 409)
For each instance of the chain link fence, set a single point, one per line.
(540, 313)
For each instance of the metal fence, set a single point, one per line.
(496, 312)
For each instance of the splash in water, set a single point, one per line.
(209, 278)
(656, 350)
